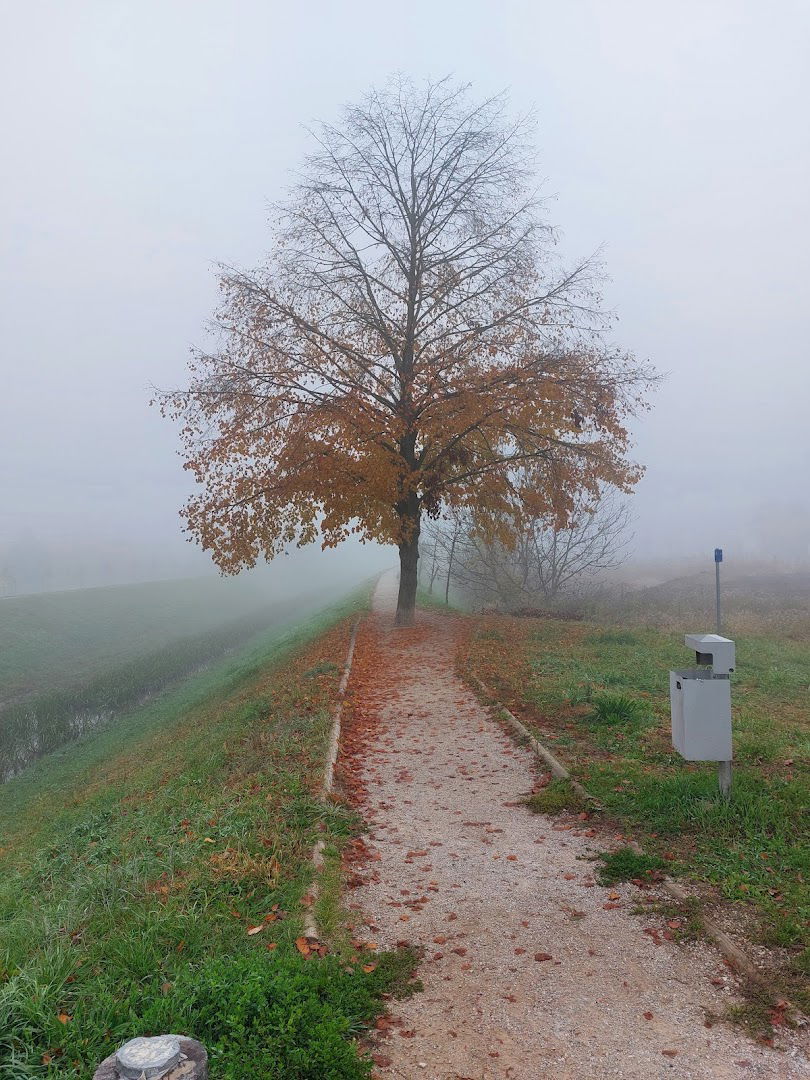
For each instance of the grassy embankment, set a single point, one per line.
(49, 641)
(599, 697)
(71, 661)
(135, 863)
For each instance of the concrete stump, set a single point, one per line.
(163, 1057)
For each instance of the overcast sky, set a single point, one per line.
(143, 139)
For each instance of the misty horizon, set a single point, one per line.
(146, 143)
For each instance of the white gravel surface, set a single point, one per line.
(489, 890)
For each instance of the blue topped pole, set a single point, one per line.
(724, 773)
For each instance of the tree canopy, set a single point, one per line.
(411, 343)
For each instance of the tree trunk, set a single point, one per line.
(450, 567)
(408, 562)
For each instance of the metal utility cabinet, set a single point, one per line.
(700, 699)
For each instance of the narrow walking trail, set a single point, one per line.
(531, 969)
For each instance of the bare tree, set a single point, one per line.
(429, 556)
(545, 560)
(444, 541)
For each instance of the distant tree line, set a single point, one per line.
(543, 563)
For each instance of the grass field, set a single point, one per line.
(152, 875)
(598, 695)
(56, 640)
(71, 662)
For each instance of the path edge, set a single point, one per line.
(310, 897)
(729, 950)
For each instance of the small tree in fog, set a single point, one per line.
(444, 541)
(544, 559)
(408, 342)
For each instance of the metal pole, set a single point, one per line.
(724, 767)
(724, 778)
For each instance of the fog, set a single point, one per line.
(142, 143)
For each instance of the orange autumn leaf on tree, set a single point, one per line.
(410, 346)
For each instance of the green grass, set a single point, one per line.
(601, 698)
(44, 722)
(612, 637)
(134, 862)
(557, 797)
(56, 640)
(617, 709)
(626, 864)
(433, 601)
(71, 662)
(322, 669)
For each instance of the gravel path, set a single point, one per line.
(531, 969)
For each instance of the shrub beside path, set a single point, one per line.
(531, 968)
